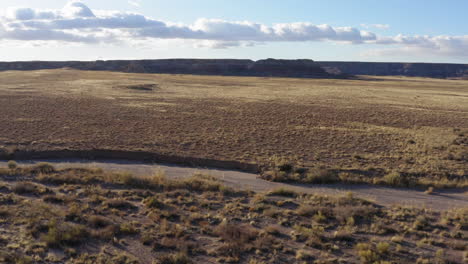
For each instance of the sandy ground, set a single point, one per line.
(439, 200)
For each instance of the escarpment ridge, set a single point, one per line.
(301, 68)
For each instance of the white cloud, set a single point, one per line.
(377, 26)
(220, 33)
(76, 23)
(25, 13)
(44, 34)
(217, 44)
(420, 45)
(77, 9)
(135, 3)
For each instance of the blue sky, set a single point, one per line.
(364, 30)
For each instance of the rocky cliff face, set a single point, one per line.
(434, 70)
(269, 67)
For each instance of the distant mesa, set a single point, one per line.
(302, 68)
(433, 70)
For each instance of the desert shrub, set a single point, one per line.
(236, 237)
(394, 179)
(52, 198)
(235, 233)
(283, 192)
(313, 210)
(11, 257)
(383, 248)
(254, 261)
(367, 253)
(43, 167)
(128, 229)
(321, 176)
(343, 234)
(12, 165)
(97, 221)
(155, 182)
(132, 181)
(168, 243)
(314, 233)
(147, 238)
(459, 155)
(285, 166)
(198, 182)
(4, 213)
(61, 234)
(107, 233)
(153, 202)
(421, 222)
(279, 169)
(177, 258)
(429, 190)
(358, 213)
(202, 183)
(123, 258)
(457, 216)
(120, 204)
(303, 255)
(272, 230)
(71, 176)
(25, 188)
(319, 217)
(272, 212)
(276, 176)
(306, 210)
(57, 179)
(281, 164)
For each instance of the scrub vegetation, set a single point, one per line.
(93, 216)
(399, 131)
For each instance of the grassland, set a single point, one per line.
(92, 216)
(361, 130)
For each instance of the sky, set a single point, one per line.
(326, 30)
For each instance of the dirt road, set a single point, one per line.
(440, 200)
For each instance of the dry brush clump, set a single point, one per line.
(101, 217)
(284, 170)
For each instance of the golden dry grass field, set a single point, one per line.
(363, 128)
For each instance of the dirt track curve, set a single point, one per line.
(440, 200)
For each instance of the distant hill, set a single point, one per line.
(229, 67)
(434, 70)
(268, 67)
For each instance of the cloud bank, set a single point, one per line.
(77, 23)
